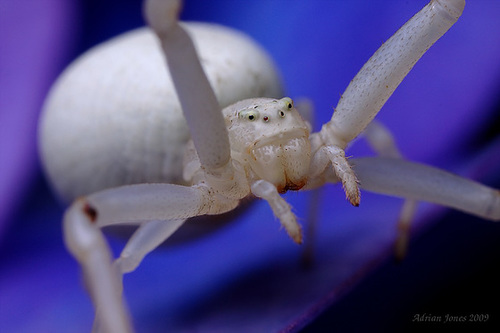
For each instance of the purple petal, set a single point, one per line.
(34, 37)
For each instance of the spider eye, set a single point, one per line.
(287, 103)
(250, 115)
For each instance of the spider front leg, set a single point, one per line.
(281, 209)
(341, 167)
(88, 246)
(196, 96)
(421, 182)
(159, 208)
(377, 80)
(384, 71)
(382, 142)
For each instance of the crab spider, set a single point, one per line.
(224, 170)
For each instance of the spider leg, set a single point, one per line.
(374, 84)
(160, 208)
(377, 80)
(199, 104)
(281, 209)
(403, 228)
(144, 240)
(341, 169)
(384, 71)
(87, 244)
(424, 183)
(382, 142)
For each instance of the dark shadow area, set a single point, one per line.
(443, 275)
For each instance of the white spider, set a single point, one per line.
(257, 146)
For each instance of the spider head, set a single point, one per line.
(270, 136)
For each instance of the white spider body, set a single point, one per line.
(257, 146)
(270, 151)
(117, 107)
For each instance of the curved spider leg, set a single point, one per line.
(406, 216)
(382, 142)
(199, 104)
(382, 73)
(87, 244)
(397, 177)
(144, 240)
(166, 205)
